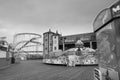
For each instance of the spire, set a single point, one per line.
(56, 31)
(49, 30)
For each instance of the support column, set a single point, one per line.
(90, 44)
(64, 44)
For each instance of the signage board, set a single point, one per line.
(84, 38)
(68, 40)
(117, 26)
(73, 41)
(103, 17)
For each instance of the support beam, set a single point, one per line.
(91, 44)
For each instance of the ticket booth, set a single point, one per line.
(107, 30)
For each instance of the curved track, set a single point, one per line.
(27, 43)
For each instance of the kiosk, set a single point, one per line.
(107, 30)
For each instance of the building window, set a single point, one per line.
(55, 48)
(55, 37)
(45, 39)
(50, 44)
(87, 44)
(94, 45)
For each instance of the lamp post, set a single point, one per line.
(12, 52)
(63, 40)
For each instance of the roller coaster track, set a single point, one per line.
(27, 43)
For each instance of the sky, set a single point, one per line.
(38, 16)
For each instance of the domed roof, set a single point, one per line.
(79, 42)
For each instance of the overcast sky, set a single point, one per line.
(37, 16)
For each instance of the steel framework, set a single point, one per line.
(27, 43)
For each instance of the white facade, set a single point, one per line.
(55, 42)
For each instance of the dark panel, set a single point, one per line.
(117, 26)
(106, 46)
(87, 44)
(94, 45)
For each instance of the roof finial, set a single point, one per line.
(56, 31)
(49, 30)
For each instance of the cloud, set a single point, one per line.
(39, 15)
(49, 11)
(3, 30)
